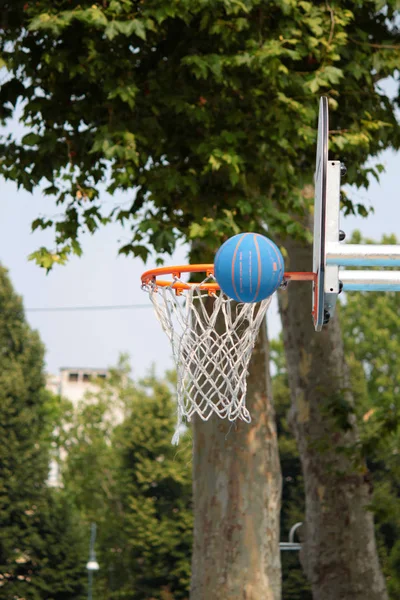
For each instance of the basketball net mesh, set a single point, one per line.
(212, 341)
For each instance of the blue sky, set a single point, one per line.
(101, 277)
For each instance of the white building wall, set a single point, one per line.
(74, 382)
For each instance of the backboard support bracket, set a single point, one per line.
(331, 232)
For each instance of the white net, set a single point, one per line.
(212, 338)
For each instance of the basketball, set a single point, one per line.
(249, 267)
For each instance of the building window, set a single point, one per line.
(73, 377)
(86, 377)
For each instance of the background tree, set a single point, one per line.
(123, 473)
(40, 543)
(209, 110)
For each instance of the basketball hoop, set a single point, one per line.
(212, 339)
(212, 336)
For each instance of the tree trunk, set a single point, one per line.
(237, 492)
(339, 552)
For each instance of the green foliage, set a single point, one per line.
(39, 542)
(87, 436)
(124, 474)
(23, 458)
(207, 109)
(61, 550)
(158, 493)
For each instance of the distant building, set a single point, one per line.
(74, 382)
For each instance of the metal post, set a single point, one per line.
(92, 564)
(90, 585)
(291, 544)
(362, 255)
(370, 281)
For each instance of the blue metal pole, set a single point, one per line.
(92, 564)
(90, 585)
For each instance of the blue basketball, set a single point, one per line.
(249, 267)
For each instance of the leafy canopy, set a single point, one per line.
(205, 110)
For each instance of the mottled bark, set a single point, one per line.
(339, 551)
(237, 491)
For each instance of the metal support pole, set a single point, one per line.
(92, 564)
(291, 544)
(293, 530)
(370, 281)
(362, 255)
(90, 585)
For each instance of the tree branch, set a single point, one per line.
(381, 46)
(332, 15)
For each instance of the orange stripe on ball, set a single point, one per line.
(233, 263)
(259, 266)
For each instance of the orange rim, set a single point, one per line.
(175, 272)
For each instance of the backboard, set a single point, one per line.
(326, 223)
